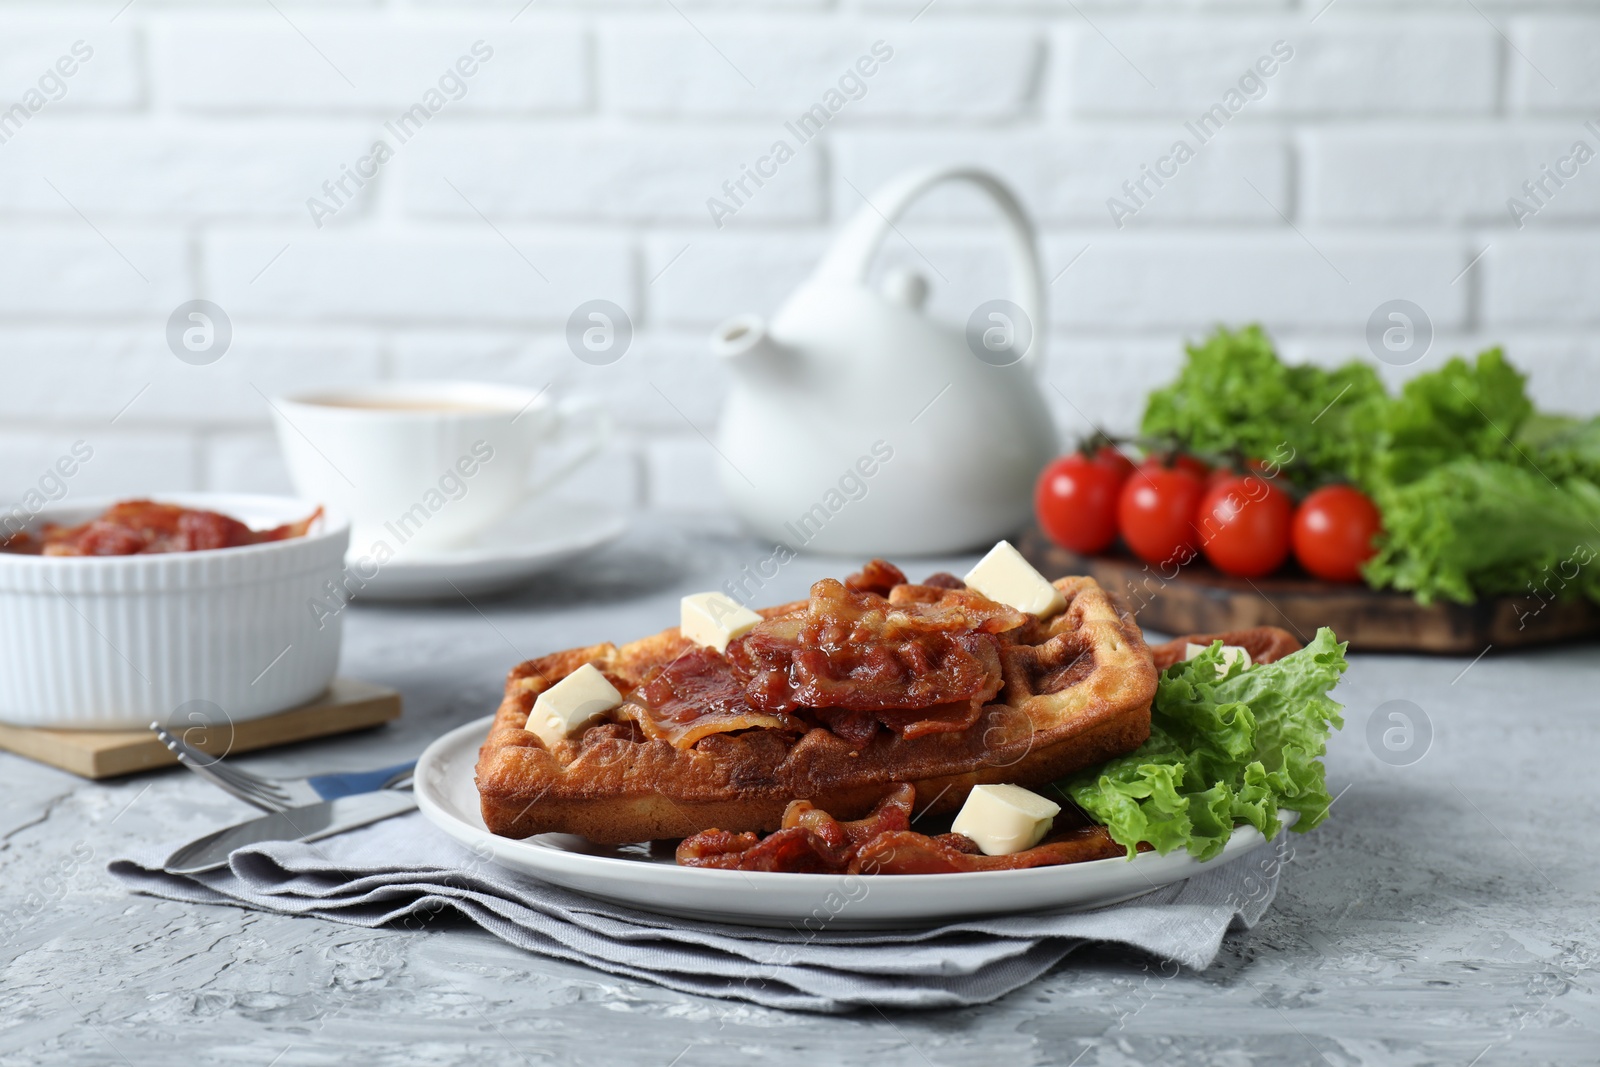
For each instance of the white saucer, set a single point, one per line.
(534, 539)
(633, 876)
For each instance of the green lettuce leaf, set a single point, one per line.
(1460, 410)
(1234, 395)
(1223, 749)
(1562, 446)
(1473, 528)
(1480, 495)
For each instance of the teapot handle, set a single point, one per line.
(847, 261)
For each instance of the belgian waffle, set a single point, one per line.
(1075, 691)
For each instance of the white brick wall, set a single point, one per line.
(1402, 176)
(1065, 177)
(575, 162)
(375, 63)
(934, 70)
(580, 173)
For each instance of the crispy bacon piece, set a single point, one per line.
(694, 695)
(914, 853)
(892, 814)
(878, 576)
(22, 543)
(857, 651)
(901, 595)
(143, 527)
(813, 842)
(791, 851)
(1266, 644)
(874, 652)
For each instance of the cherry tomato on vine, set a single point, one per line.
(1110, 456)
(1181, 460)
(1244, 524)
(1260, 467)
(1075, 500)
(1156, 512)
(1333, 532)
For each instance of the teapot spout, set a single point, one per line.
(746, 344)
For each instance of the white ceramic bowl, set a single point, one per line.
(117, 642)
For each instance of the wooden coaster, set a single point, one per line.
(347, 705)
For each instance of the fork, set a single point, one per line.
(280, 794)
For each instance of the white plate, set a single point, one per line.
(630, 876)
(532, 540)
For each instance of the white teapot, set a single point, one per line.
(857, 424)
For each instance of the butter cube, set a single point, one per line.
(574, 702)
(1231, 654)
(1005, 577)
(714, 619)
(1002, 819)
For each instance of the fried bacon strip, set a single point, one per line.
(22, 543)
(871, 653)
(1266, 644)
(923, 649)
(143, 527)
(914, 853)
(694, 695)
(812, 842)
(878, 576)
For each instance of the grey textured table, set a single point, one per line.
(1446, 912)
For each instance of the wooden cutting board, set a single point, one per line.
(347, 705)
(1202, 600)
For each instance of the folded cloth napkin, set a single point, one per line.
(403, 869)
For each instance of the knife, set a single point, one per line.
(310, 823)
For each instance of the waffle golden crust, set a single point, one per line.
(1076, 691)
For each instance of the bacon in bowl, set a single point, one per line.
(144, 527)
(157, 609)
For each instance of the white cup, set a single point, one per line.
(422, 466)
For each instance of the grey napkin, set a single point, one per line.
(403, 869)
